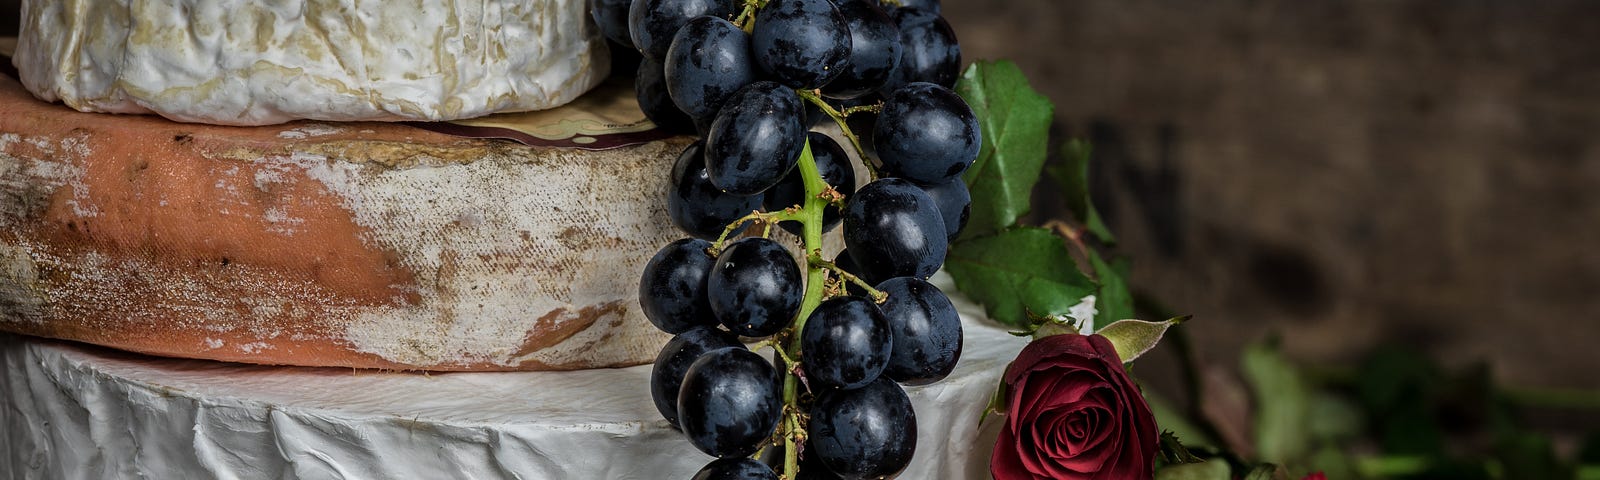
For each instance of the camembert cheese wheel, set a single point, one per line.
(252, 62)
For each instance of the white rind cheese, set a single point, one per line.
(70, 411)
(261, 62)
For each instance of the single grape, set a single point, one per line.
(729, 403)
(697, 206)
(928, 50)
(874, 50)
(955, 204)
(847, 343)
(926, 330)
(736, 469)
(756, 139)
(801, 43)
(836, 170)
(869, 432)
(755, 287)
(672, 290)
(674, 361)
(708, 62)
(893, 229)
(926, 133)
(652, 23)
(650, 86)
(611, 16)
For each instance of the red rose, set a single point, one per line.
(1072, 413)
(1316, 476)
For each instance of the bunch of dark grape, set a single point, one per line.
(751, 77)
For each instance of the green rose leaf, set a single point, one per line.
(1283, 400)
(1133, 338)
(1072, 176)
(1015, 124)
(1018, 271)
(1212, 470)
(1113, 299)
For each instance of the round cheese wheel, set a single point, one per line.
(111, 414)
(361, 244)
(248, 62)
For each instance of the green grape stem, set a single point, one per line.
(810, 217)
(767, 218)
(838, 118)
(877, 296)
(747, 15)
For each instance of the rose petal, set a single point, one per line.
(1054, 393)
(1004, 463)
(1079, 426)
(1032, 450)
(1050, 350)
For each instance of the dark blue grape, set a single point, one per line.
(801, 43)
(955, 204)
(756, 139)
(650, 86)
(755, 287)
(928, 50)
(652, 23)
(674, 361)
(869, 432)
(708, 62)
(729, 403)
(926, 133)
(874, 50)
(893, 229)
(696, 205)
(736, 469)
(847, 343)
(836, 170)
(926, 329)
(672, 290)
(612, 18)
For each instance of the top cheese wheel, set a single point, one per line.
(252, 62)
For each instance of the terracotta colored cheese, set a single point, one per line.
(359, 244)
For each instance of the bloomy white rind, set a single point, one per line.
(249, 62)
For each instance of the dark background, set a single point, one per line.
(1345, 174)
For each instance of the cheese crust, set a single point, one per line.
(262, 62)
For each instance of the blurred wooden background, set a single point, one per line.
(1420, 172)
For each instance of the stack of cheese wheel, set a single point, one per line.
(262, 205)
